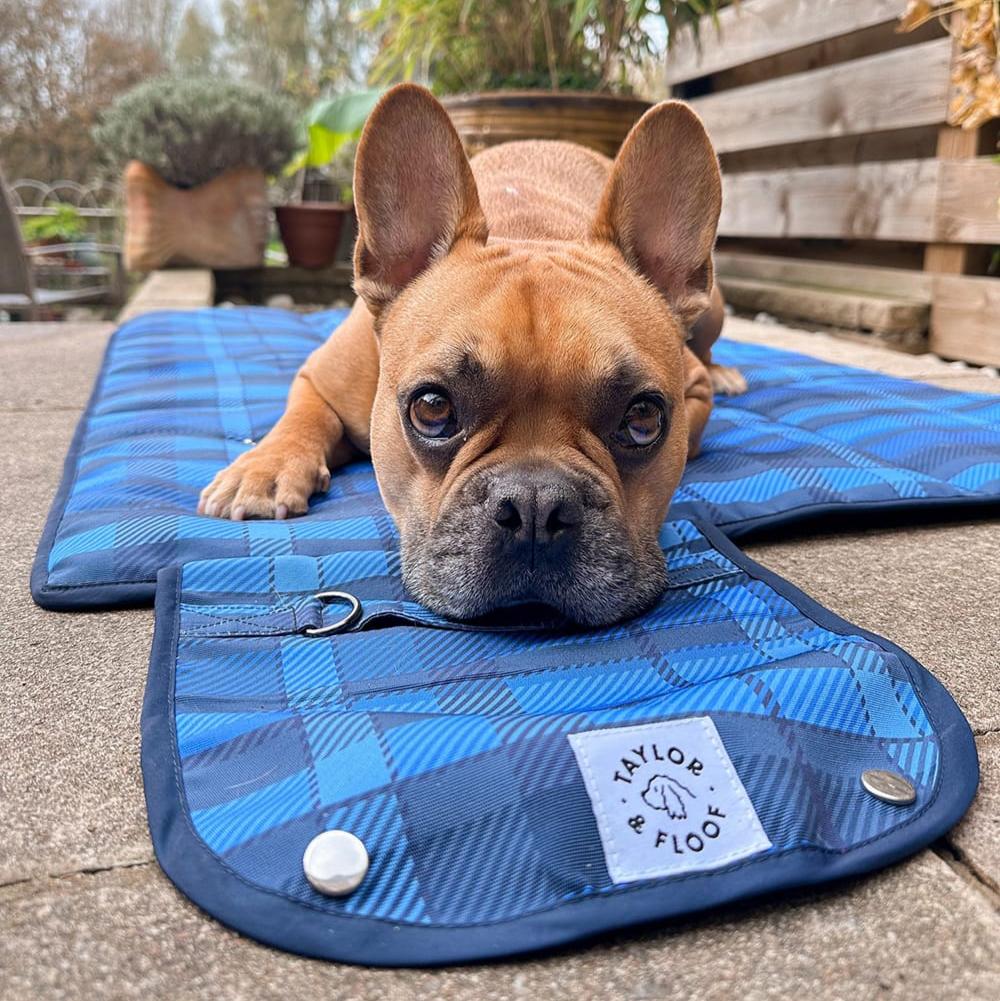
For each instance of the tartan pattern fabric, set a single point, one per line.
(809, 436)
(444, 746)
(183, 394)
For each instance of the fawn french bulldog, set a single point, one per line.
(528, 362)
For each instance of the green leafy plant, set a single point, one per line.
(191, 130)
(64, 226)
(470, 45)
(329, 134)
(329, 125)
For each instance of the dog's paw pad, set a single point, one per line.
(726, 380)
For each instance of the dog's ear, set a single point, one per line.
(661, 205)
(414, 193)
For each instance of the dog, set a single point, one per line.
(528, 362)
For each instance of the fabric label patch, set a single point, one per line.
(667, 799)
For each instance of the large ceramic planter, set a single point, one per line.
(311, 232)
(220, 224)
(600, 121)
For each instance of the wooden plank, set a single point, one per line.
(965, 318)
(918, 200)
(856, 45)
(256, 285)
(874, 94)
(916, 143)
(902, 322)
(913, 285)
(965, 311)
(876, 253)
(887, 201)
(755, 29)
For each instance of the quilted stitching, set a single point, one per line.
(445, 749)
(183, 394)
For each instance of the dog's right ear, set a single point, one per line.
(414, 193)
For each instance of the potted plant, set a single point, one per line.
(198, 154)
(511, 70)
(64, 228)
(311, 227)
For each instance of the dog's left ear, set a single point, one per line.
(661, 206)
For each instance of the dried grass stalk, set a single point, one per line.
(976, 73)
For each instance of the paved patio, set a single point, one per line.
(85, 912)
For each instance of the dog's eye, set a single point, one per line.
(432, 414)
(642, 424)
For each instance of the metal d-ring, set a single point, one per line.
(345, 622)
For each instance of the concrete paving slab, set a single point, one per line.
(70, 691)
(931, 589)
(976, 840)
(969, 381)
(112, 927)
(49, 366)
(913, 933)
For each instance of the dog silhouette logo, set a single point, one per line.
(665, 793)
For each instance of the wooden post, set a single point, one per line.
(955, 258)
(956, 143)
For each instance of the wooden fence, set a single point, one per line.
(848, 198)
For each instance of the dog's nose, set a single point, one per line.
(536, 510)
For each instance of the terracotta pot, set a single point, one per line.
(310, 232)
(68, 259)
(220, 224)
(600, 121)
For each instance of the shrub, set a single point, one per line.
(191, 130)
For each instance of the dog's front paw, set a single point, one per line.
(727, 380)
(270, 481)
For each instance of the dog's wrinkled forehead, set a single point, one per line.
(536, 323)
(477, 368)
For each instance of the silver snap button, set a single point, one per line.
(890, 787)
(335, 863)
(249, 441)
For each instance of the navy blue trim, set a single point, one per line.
(858, 514)
(854, 515)
(90, 597)
(292, 926)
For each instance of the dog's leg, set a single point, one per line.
(698, 392)
(725, 379)
(326, 422)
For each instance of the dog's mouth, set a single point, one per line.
(521, 615)
(596, 588)
(529, 534)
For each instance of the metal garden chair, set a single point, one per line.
(25, 275)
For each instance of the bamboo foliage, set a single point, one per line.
(473, 45)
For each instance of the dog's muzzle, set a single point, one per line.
(539, 533)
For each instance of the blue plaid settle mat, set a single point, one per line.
(181, 395)
(523, 784)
